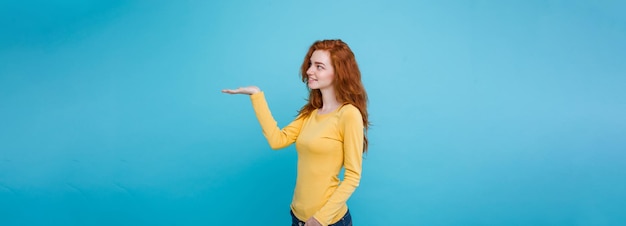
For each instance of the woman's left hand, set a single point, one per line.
(312, 222)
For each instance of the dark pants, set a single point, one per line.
(346, 220)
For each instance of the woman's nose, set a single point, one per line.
(309, 71)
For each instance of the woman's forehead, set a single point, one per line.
(320, 55)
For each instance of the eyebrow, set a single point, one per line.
(317, 62)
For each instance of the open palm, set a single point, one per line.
(243, 90)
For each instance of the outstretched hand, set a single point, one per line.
(243, 90)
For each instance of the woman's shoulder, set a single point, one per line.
(349, 110)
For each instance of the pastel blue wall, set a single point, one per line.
(484, 112)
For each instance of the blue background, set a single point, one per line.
(483, 112)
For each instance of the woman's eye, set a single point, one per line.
(320, 67)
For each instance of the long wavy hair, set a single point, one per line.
(347, 81)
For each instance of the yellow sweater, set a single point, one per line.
(325, 143)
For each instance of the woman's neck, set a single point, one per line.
(329, 101)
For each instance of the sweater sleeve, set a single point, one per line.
(352, 130)
(276, 137)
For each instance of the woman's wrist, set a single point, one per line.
(255, 90)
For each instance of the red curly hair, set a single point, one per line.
(347, 81)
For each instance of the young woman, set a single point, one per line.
(329, 132)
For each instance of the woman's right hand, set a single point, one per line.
(243, 90)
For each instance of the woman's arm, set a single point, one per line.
(276, 137)
(351, 126)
